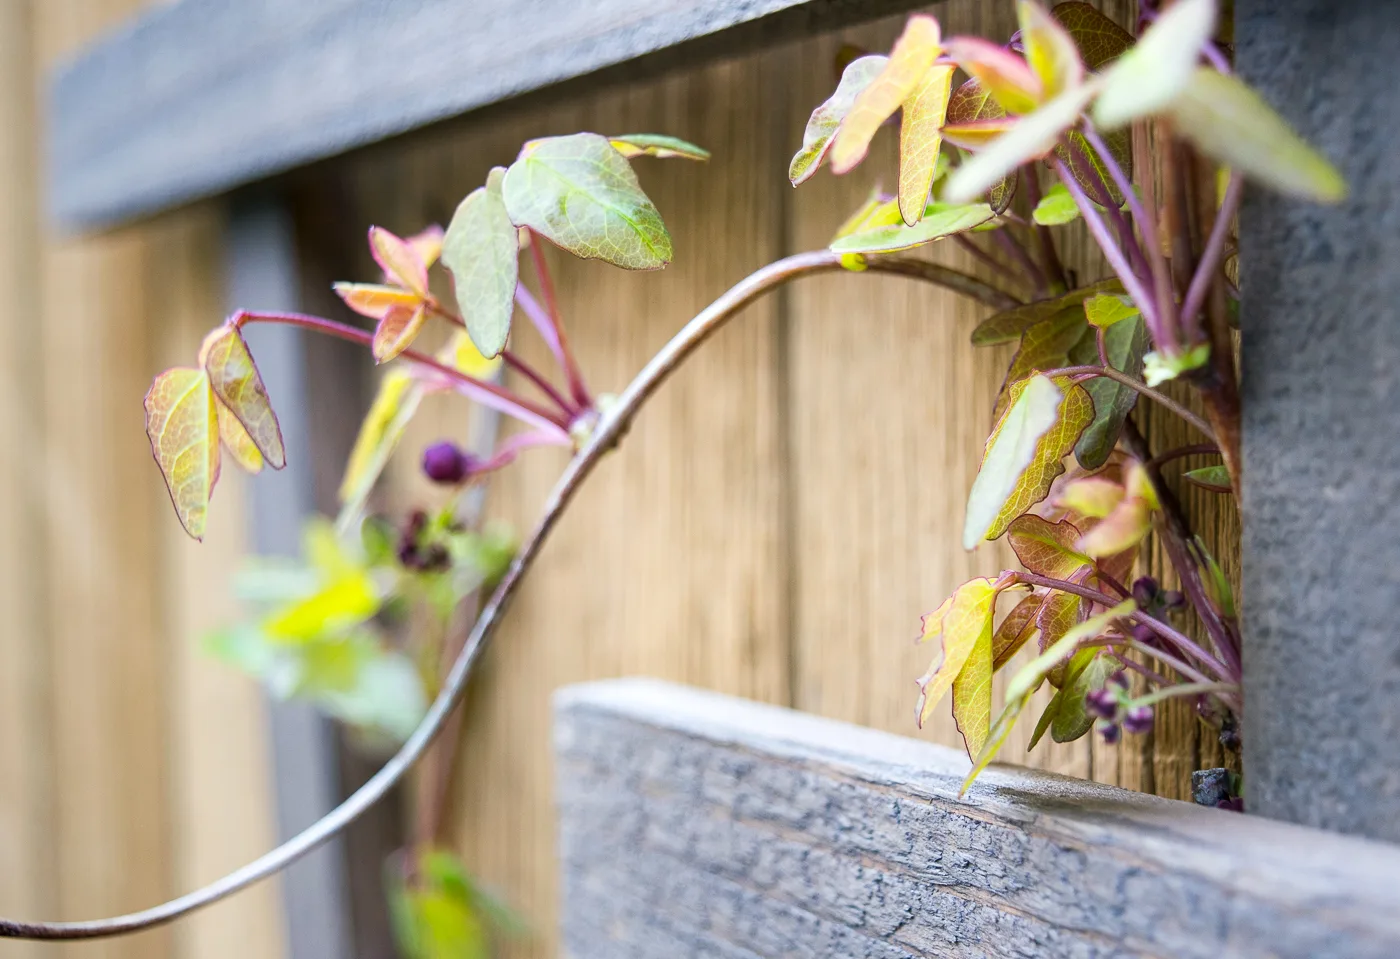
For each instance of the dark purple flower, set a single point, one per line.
(448, 463)
(1102, 703)
(1119, 679)
(1173, 599)
(1145, 590)
(1111, 732)
(1138, 720)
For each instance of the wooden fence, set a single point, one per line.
(772, 528)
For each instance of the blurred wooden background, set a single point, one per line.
(773, 527)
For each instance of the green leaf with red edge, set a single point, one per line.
(1023, 455)
(482, 251)
(1088, 168)
(961, 622)
(1033, 136)
(1229, 122)
(909, 61)
(401, 262)
(1125, 342)
(972, 694)
(1060, 613)
(826, 119)
(235, 380)
(657, 145)
(1102, 310)
(974, 120)
(1149, 77)
(1050, 50)
(580, 194)
(374, 300)
(1009, 324)
(396, 332)
(940, 220)
(1005, 76)
(1044, 346)
(1047, 548)
(1213, 478)
(920, 139)
(182, 424)
(1016, 630)
(1100, 39)
(237, 441)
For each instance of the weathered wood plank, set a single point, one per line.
(202, 95)
(693, 824)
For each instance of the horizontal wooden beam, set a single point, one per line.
(200, 96)
(696, 824)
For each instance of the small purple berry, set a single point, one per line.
(1138, 720)
(1111, 732)
(1144, 633)
(1145, 590)
(1173, 599)
(1102, 703)
(447, 463)
(1119, 679)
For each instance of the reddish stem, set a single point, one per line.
(551, 305)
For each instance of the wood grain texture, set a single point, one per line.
(173, 107)
(693, 824)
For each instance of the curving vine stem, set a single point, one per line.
(609, 431)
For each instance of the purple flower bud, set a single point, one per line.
(1173, 599)
(1119, 679)
(1102, 703)
(1110, 732)
(1144, 633)
(1145, 590)
(1138, 720)
(446, 462)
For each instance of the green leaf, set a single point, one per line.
(387, 696)
(1033, 136)
(1216, 582)
(1100, 40)
(1088, 670)
(579, 193)
(657, 145)
(1056, 207)
(1125, 342)
(973, 110)
(1088, 169)
(1050, 50)
(1158, 368)
(1105, 309)
(1009, 324)
(1045, 346)
(1229, 122)
(1023, 455)
(1214, 478)
(1031, 675)
(826, 119)
(940, 220)
(482, 250)
(1150, 76)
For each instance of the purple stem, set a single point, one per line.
(1017, 252)
(983, 257)
(1212, 255)
(551, 308)
(541, 321)
(537, 378)
(1105, 200)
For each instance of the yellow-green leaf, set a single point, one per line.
(237, 441)
(1105, 309)
(1231, 123)
(910, 59)
(874, 212)
(1023, 455)
(1100, 40)
(1004, 75)
(482, 249)
(1044, 346)
(1146, 79)
(657, 145)
(1033, 136)
(996, 738)
(383, 426)
(396, 332)
(1009, 324)
(399, 259)
(1050, 50)
(962, 622)
(940, 220)
(581, 194)
(1031, 675)
(182, 423)
(972, 694)
(1092, 496)
(1056, 207)
(1047, 548)
(919, 140)
(1214, 478)
(236, 381)
(826, 119)
(341, 604)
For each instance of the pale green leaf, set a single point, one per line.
(1213, 478)
(1149, 77)
(581, 194)
(1029, 677)
(1056, 207)
(1050, 50)
(657, 145)
(940, 220)
(1105, 309)
(1158, 368)
(482, 249)
(826, 119)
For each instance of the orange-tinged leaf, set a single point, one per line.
(1060, 613)
(1024, 453)
(237, 441)
(963, 621)
(910, 59)
(427, 244)
(1147, 78)
(1100, 39)
(1008, 325)
(1015, 630)
(1231, 123)
(396, 332)
(919, 140)
(182, 423)
(374, 300)
(236, 381)
(1047, 548)
(1092, 496)
(1121, 530)
(1050, 50)
(977, 134)
(1004, 75)
(1033, 136)
(398, 259)
(972, 696)
(826, 119)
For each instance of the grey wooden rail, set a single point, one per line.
(200, 96)
(693, 824)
